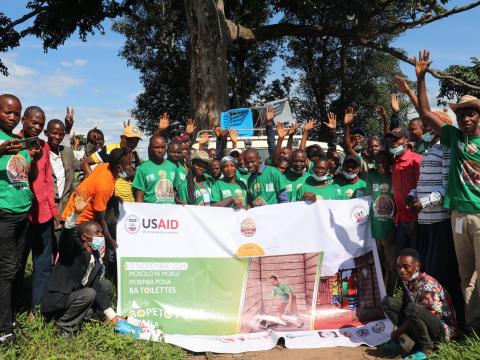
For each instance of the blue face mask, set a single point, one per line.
(97, 242)
(321, 178)
(396, 151)
(428, 137)
(349, 176)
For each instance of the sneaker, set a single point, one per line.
(419, 355)
(392, 347)
(7, 340)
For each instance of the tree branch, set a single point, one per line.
(439, 74)
(25, 17)
(277, 31)
(426, 19)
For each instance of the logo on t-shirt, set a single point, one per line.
(349, 193)
(17, 169)
(288, 187)
(164, 187)
(270, 188)
(226, 193)
(470, 170)
(384, 207)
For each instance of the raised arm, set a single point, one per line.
(203, 141)
(404, 88)
(163, 124)
(270, 132)
(347, 121)
(306, 130)
(291, 133)
(281, 132)
(421, 67)
(383, 116)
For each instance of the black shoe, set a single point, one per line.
(7, 340)
(68, 336)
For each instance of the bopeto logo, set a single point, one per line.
(134, 224)
(248, 227)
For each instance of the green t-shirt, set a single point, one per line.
(293, 183)
(15, 194)
(242, 176)
(181, 174)
(203, 192)
(323, 192)
(282, 291)
(463, 191)
(383, 205)
(310, 167)
(266, 186)
(156, 181)
(347, 190)
(223, 190)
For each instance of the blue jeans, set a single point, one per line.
(40, 240)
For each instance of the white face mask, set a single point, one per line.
(397, 151)
(428, 137)
(321, 178)
(349, 176)
(415, 276)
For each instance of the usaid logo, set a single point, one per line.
(132, 224)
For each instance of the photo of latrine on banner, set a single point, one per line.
(232, 281)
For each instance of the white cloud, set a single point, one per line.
(26, 81)
(74, 63)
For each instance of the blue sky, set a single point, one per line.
(92, 78)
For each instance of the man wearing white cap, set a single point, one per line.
(463, 191)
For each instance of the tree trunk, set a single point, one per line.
(209, 39)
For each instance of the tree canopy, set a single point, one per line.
(202, 57)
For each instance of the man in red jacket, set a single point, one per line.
(405, 173)
(40, 235)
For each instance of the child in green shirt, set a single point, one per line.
(349, 185)
(319, 185)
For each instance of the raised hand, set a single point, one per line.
(80, 201)
(281, 131)
(332, 120)
(270, 115)
(293, 129)
(233, 135)
(381, 112)
(309, 125)
(76, 142)
(217, 130)
(164, 122)
(203, 139)
(423, 63)
(395, 105)
(349, 116)
(402, 84)
(69, 119)
(191, 126)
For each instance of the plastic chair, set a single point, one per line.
(238, 119)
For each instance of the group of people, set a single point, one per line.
(62, 204)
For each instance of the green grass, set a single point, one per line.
(39, 340)
(468, 349)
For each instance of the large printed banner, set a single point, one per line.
(224, 280)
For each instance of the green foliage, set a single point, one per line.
(468, 349)
(39, 340)
(469, 74)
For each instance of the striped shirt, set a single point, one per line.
(432, 185)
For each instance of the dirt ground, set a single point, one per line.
(281, 353)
